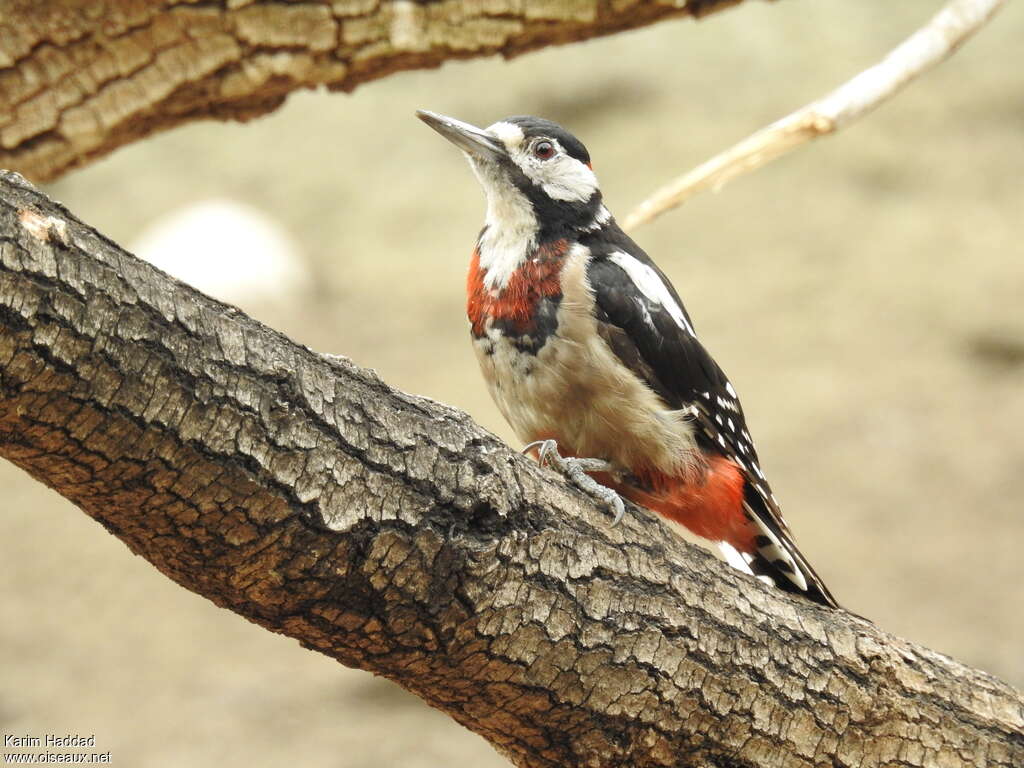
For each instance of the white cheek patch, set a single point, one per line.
(652, 286)
(566, 178)
(562, 178)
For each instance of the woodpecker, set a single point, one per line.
(588, 351)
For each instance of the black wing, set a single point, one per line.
(643, 321)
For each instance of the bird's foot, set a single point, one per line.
(576, 471)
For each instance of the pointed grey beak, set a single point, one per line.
(466, 137)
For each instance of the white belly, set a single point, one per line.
(575, 390)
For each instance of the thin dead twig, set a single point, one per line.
(931, 44)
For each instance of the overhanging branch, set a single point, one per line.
(392, 534)
(78, 80)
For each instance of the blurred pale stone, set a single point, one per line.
(228, 250)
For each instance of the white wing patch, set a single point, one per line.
(652, 286)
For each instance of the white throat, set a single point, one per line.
(511, 234)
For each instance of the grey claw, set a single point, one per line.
(530, 446)
(546, 449)
(620, 510)
(576, 471)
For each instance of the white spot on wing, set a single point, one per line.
(733, 406)
(652, 286)
(727, 404)
(776, 550)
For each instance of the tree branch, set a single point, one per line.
(76, 83)
(391, 533)
(933, 43)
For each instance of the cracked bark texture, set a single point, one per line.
(391, 533)
(78, 80)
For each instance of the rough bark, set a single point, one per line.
(394, 535)
(78, 80)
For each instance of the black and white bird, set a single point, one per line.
(589, 353)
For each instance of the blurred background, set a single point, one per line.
(865, 296)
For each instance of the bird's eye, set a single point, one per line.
(545, 150)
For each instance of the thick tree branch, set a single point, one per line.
(394, 535)
(931, 44)
(78, 80)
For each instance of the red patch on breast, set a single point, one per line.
(516, 303)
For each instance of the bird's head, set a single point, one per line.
(535, 173)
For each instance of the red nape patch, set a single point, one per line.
(516, 303)
(712, 509)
